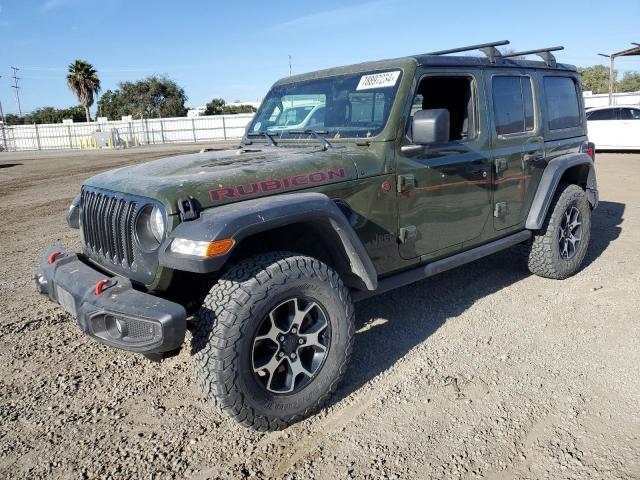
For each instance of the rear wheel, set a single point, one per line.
(558, 249)
(273, 338)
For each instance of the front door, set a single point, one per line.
(444, 195)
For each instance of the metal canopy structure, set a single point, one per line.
(630, 52)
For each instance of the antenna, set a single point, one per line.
(544, 53)
(489, 49)
(15, 85)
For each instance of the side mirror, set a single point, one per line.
(430, 126)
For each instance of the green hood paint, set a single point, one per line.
(195, 175)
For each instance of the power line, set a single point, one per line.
(15, 85)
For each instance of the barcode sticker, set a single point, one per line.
(378, 80)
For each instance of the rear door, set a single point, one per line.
(628, 135)
(602, 126)
(518, 145)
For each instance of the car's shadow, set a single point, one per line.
(390, 325)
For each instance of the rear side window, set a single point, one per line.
(512, 104)
(605, 114)
(629, 114)
(562, 102)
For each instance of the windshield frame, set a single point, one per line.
(285, 134)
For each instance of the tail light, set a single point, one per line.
(590, 149)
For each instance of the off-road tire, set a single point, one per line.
(228, 321)
(544, 257)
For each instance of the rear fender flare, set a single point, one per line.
(244, 219)
(549, 184)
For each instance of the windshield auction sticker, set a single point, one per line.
(378, 80)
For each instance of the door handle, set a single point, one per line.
(533, 158)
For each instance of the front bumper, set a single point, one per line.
(118, 316)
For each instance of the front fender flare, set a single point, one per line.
(549, 184)
(241, 220)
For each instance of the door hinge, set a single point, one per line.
(406, 181)
(500, 209)
(408, 233)
(501, 165)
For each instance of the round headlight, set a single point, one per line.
(150, 228)
(156, 223)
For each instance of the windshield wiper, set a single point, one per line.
(266, 135)
(325, 143)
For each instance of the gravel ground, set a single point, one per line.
(485, 371)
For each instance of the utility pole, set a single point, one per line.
(15, 85)
(611, 75)
(289, 65)
(4, 137)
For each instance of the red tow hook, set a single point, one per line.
(53, 256)
(103, 284)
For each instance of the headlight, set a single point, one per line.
(156, 222)
(150, 227)
(73, 215)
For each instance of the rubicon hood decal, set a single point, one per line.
(276, 184)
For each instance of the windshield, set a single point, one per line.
(354, 105)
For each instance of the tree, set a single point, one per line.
(630, 82)
(218, 106)
(155, 96)
(13, 119)
(47, 115)
(84, 82)
(215, 107)
(595, 78)
(54, 115)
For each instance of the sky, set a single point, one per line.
(237, 49)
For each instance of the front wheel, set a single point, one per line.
(273, 339)
(558, 249)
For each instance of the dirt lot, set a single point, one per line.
(485, 371)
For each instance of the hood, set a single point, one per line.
(224, 176)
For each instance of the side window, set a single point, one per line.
(562, 102)
(604, 114)
(512, 104)
(453, 93)
(628, 114)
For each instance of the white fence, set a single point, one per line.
(118, 134)
(602, 99)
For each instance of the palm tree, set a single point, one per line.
(84, 82)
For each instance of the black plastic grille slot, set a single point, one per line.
(107, 226)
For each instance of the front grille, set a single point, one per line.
(107, 223)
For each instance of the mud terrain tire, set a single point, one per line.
(229, 323)
(550, 254)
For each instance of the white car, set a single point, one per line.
(615, 127)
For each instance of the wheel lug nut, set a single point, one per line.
(294, 330)
(292, 356)
(300, 341)
(280, 354)
(281, 338)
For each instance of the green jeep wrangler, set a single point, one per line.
(412, 167)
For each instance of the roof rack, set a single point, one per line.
(489, 49)
(544, 53)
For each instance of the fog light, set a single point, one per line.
(115, 327)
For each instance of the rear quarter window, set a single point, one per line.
(563, 109)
